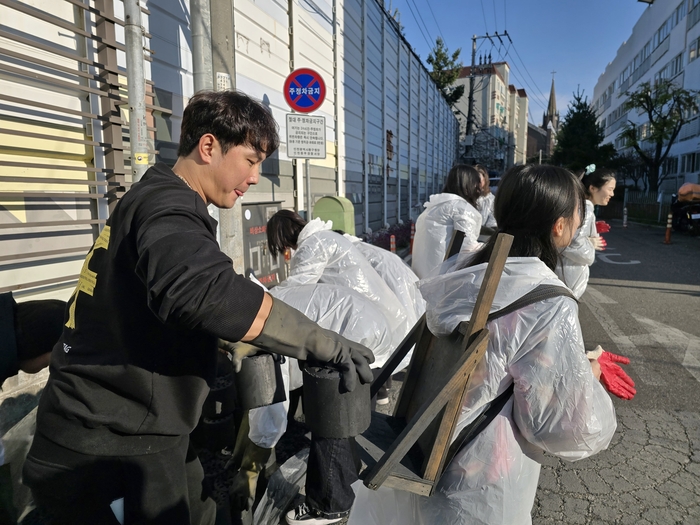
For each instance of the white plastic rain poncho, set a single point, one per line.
(443, 213)
(335, 308)
(579, 255)
(396, 274)
(558, 406)
(327, 257)
(485, 206)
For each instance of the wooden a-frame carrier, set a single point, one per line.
(409, 450)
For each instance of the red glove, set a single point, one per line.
(614, 378)
(602, 227)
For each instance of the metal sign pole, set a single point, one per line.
(308, 189)
(136, 86)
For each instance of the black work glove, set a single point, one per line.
(237, 352)
(289, 332)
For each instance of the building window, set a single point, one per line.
(690, 162)
(670, 166)
(693, 51)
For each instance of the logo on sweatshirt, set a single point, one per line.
(88, 278)
(66, 348)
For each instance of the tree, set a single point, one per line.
(580, 136)
(628, 165)
(446, 69)
(666, 107)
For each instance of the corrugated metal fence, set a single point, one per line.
(61, 150)
(64, 152)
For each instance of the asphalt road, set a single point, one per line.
(643, 301)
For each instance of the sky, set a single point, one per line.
(575, 38)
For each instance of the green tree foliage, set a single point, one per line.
(628, 166)
(665, 107)
(446, 69)
(579, 138)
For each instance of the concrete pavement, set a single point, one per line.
(642, 302)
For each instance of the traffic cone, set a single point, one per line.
(392, 244)
(669, 224)
(413, 234)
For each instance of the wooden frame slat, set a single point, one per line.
(429, 405)
(378, 473)
(476, 324)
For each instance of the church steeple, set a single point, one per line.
(551, 116)
(550, 121)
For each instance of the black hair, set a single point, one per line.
(465, 181)
(283, 230)
(233, 117)
(529, 201)
(483, 171)
(597, 179)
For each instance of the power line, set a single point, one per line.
(524, 66)
(436, 22)
(524, 79)
(494, 13)
(430, 46)
(427, 31)
(483, 11)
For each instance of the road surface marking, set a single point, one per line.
(605, 257)
(623, 342)
(684, 347)
(599, 297)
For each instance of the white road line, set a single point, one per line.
(684, 347)
(599, 297)
(623, 342)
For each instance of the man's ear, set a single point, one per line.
(558, 228)
(206, 147)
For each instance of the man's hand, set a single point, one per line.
(289, 332)
(237, 352)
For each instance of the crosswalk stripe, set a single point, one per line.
(684, 347)
(623, 342)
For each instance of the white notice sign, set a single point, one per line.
(306, 136)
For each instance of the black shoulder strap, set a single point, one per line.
(542, 292)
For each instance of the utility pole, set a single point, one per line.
(200, 13)
(470, 113)
(136, 88)
(224, 78)
(213, 58)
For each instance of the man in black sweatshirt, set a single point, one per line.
(131, 370)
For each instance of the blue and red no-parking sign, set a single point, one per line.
(304, 90)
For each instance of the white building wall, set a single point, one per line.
(624, 74)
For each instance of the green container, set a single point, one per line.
(339, 210)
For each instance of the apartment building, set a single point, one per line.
(498, 137)
(664, 44)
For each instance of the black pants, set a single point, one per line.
(333, 467)
(159, 488)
